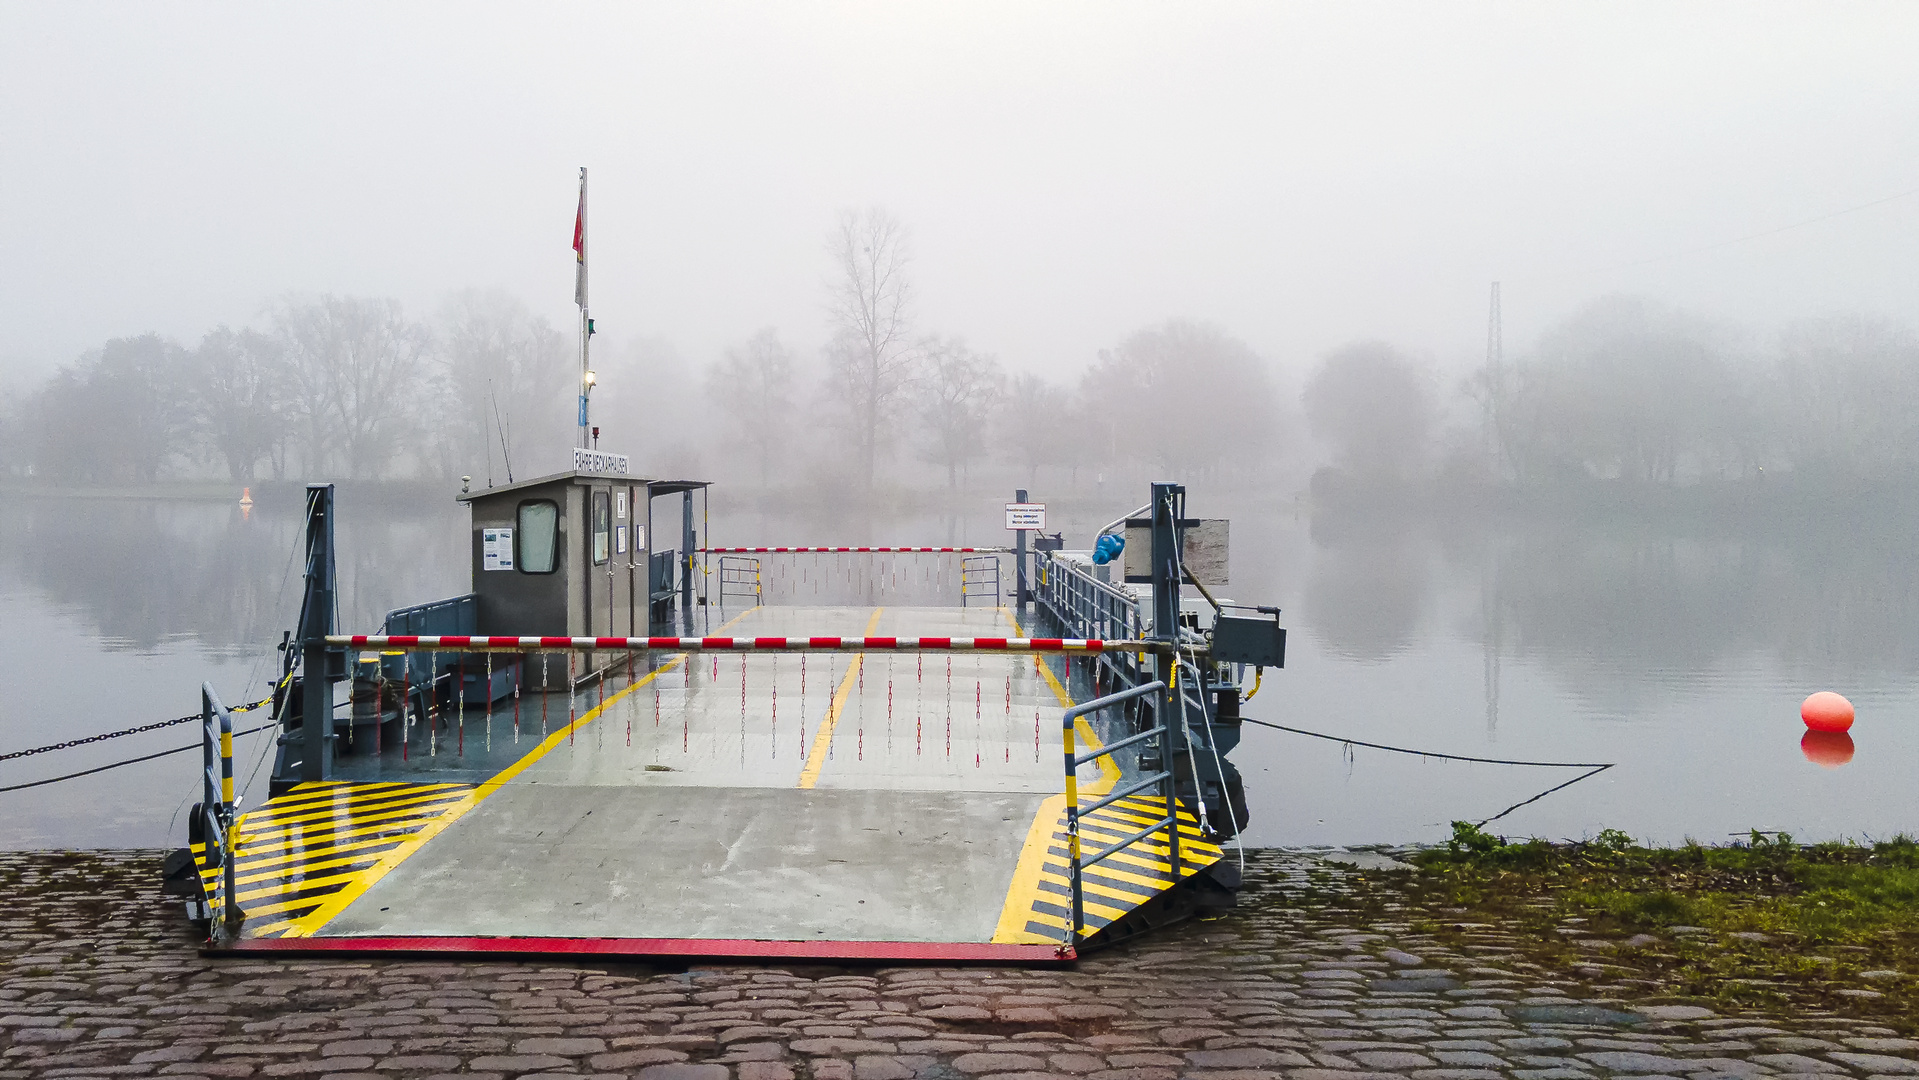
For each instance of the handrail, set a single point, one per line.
(217, 806)
(1074, 865)
(1095, 755)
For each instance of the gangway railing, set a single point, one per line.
(1077, 866)
(979, 577)
(1083, 605)
(216, 808)
(740, 577)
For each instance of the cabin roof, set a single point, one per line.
(653, 487)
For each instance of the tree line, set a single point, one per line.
(1629, 390)
(334, 386)
(1625, 389)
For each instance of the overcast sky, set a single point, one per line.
(1301, 174)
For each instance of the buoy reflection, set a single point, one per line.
(1827, 749)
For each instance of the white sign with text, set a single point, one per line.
(1025, 517)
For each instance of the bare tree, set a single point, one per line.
(753, 386)
(502, 385)
(1034, 425)
(871, 356)
(957, 391)
(119, 415)
(238, 406)
(1183, 397)
(355, 367)
(1375, 408)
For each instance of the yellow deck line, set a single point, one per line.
(823, 739)
(299, 802)
(308, 924)
(279, 860)
(1017, 910)
(305, 925)
(369, 810)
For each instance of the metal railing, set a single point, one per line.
(979, 577)
(1076, 866)
(216, 806)
(740, 577)
(1085, 606)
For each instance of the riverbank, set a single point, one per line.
(1764, 923)
(1324, 973)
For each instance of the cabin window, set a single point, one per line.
(538, 536)
(602, 525)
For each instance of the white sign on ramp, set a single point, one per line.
(1025, 517)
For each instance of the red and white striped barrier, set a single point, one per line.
(854, 550)
(475, 643)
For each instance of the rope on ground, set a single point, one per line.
(128, 761)
(1594, 767)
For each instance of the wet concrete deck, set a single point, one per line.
(752, 798)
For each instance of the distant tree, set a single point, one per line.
(1847, 398)
(1183, 397)
(753, 387)
(502, 384)
(356, 368)
(1374, 408)
(1035, 425)
(870, 357)
(1628, 389)
(119, 415)
(237, 404)
(956, 393)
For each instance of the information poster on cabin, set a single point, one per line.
(496, 549)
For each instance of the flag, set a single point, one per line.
(579, 247)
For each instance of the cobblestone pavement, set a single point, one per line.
(101, 978)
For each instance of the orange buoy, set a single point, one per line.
(1826, 749)
(1826, 711)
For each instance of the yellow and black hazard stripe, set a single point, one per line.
(1116, 884)
(307, 845)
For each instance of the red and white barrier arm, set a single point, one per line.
(854, 550)
(475, 643)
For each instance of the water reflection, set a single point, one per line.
(144, 573)
(1680, 650)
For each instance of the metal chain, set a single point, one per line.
(70, 743)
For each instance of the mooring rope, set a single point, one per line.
(1594, 767)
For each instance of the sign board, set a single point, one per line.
(594, 461)
(619, 539)
(496, 549)
(1025, 517)
(1205, 550)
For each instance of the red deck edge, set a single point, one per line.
(960, 952)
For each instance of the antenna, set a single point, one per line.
(506, 452)
(486, 444)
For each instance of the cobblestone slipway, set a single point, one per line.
(99, 977)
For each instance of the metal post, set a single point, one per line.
(1169, 505)
(687, 543)
(210, 707)
(316, 622)
(1020, 596)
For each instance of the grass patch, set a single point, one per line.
(1763, 921)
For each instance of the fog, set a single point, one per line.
(1084, 195)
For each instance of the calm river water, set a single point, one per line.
(1681, 653)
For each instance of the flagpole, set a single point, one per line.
(585, 385)
(586, 317)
